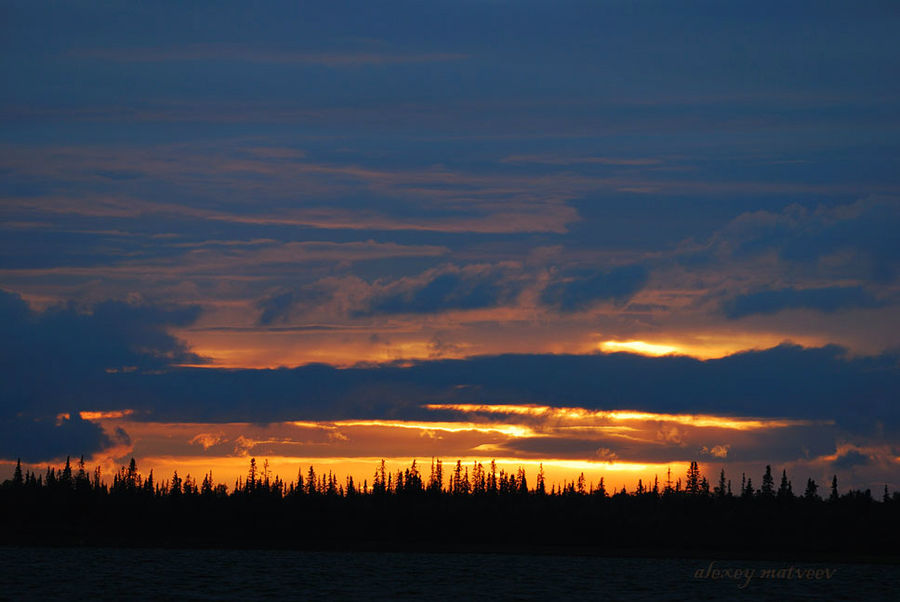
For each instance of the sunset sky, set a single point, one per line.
(607, 236)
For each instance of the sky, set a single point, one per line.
(609, 237)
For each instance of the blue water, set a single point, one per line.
(129, 574)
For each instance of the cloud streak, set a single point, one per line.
(826, 299)
(238, 54)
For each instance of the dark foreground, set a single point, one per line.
(487, 513)
(116, 573)
(663, 526)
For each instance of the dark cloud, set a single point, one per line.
(63, 361)
(120, 356)
(36, 440)
(851, 459)
(867, 227)
(453, 289)
(569, 447)
(58, 362)
(111, 335)
(786, 381)
(827, 299)
(859, 238)
(275, 308)
(580, 290)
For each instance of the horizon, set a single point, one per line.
(543, 480)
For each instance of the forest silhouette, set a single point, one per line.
(485, 508)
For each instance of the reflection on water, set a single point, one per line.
(79, 573)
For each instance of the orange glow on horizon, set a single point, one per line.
(639, 347)
(227, 470)
(698, 420)
(88, 415)
(228, 340)
(450, 427)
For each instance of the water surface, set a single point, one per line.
(114, 573)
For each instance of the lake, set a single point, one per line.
(117, 573)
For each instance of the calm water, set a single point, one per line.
(84, 573)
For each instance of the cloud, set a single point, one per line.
(786, 382)
(717, 451)
(58, 361)
(445, 289)
(230, 184)
(36, 440)
(828, 300)
(238, 54)
(61, 361)
(207, 440)
(851, 459)
(69, 340)
(552, 159)
(580, 290)
(856, 240)
(275, 308)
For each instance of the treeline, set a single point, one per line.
(483, 480)
(473, 506)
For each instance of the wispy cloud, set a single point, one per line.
(552, 159)
(246, 54)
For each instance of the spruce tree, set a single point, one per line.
(811, 492)
(18, 481)
(541, 488)
(768, 483)
(720, 488)
(252, 475)
(785, 492)
(311, 481)
(692, 482)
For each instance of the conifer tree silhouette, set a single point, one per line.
(436, 480)
(456, 485)
(65, 477)
(175, 487)
(785, 491)
(692, 481)
(720, 488)
(522, 482)
(300, 488)
(311, 481)
(811, 492)
(768, 483)
(252, 475)
(18, 481)
(206, 488)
